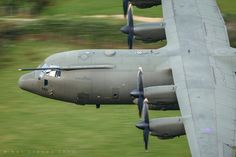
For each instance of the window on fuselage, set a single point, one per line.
(45, 82)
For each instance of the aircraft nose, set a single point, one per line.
(27, 81)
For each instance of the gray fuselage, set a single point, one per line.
(98, 86)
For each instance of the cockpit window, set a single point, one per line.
(43, 72)
(49, 72)
(58, 74)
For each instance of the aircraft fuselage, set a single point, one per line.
(98, 86)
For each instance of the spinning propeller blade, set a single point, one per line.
(125, 6)
(144, 123)
(140, 90)
(129, 28)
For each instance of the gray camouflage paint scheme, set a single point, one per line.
(197, 60)
(106, 86)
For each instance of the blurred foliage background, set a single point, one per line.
(48, 19)
(23, 7)
(72, 23)
(30, 31)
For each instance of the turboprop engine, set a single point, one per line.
(147, 32)
(166, 128)
(163, 128)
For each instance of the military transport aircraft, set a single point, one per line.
(195, 70)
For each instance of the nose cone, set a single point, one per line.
(27, 82)
(125, 29)
(141, 125)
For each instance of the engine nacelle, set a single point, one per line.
(148, 32)
(163, 107)
(145, 3)
(167, 128)
(158, 95)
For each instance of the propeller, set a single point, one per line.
(129, 28)
(125, 6)
(142, 107)
(144, 123)
(140, 90)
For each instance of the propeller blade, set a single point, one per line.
(146, 137)
(140, 90)
(145, 118)
(130, 41)
(130, 27)
(125, 6)
(145, 115)
(130, 16)
(140, 105)
(140, 80)
(144, 123)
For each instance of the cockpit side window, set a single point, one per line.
(45, 82)
(58, 74)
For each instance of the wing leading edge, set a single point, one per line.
(194, 25)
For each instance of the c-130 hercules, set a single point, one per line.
(195, 70)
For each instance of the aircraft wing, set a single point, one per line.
(206, 94)
(207, 29)
(204, 75)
